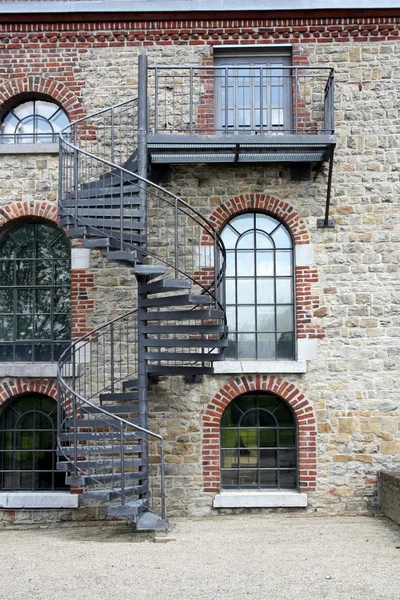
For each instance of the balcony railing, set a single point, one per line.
(223, 100)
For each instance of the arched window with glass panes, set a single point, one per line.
(33, 121)
(258, 443)
(259, 288)
(28, 434)
(35, 290)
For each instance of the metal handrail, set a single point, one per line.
(206, 224)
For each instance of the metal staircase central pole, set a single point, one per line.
(142, 171)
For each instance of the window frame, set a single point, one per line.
(278, 448)
(257, 278)
(10, 318)
(37, 138)
(261, 62)
(36, 433)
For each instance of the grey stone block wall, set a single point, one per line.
(389, 494)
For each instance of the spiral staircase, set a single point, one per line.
(177, 328)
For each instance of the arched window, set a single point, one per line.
(28, 432)
(258, 443)
(35, 288)
(33, 121)
(259, 288)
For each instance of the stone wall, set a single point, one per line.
(389, 494)
(352, 384)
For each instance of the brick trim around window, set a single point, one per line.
(12, 88)
(308, 309)
(302, 408)
(16, 387)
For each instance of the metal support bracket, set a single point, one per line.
(326, 222)
(194, 378)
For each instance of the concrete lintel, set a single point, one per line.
(304, 255)
(38, 500)
(259, 499)
(80, 258)
(26, 369)
(29, 148)
(261, 366)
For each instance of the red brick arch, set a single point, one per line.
(42, 85)
(28, 208)
(302, 408)
(263, 202)
(16, 387)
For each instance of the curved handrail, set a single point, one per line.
(84, 170)
(180, 204)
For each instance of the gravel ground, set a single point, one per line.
(273, 557)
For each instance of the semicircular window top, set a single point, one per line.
(35, 290)
(28, 435)
(258, 444)
(33, 122)
(259, 288)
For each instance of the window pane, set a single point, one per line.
(248, 438)
(245, 291)
(288, 479)
(263, 241)
(265, 263)
(24, 327)
(246, 241)
(287, 458)
(6, 329)
(229, 479)
(245, 263)
(268, 459)
(266, 346)
(248, 478)
(284, 291)
(231, 317)
(248, 458)
(284, 316)
(266, 318)
(287, 437)
(285, 346)
(246, 346)
(24, 301)
(267, 438)
(230, 264)
(283, 262)
(265, 291)
(268, 479)
(46, 109)
(246, 318)
(230, 291)
(229, 459)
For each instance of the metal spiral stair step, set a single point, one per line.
(117, 397)
(182, 315)
(129, 477)
(184, 356)
(101, 190)
(189, 329)
(99, 423)
(166, 285)
(88, 450)
(101, 463)
(131, 508)
(186, 371)
(181, 300)
(107, 494)
(95, 435)
(186, 343)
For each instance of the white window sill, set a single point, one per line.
(38, 500)
(29, 148)
(261, 366)
(26, 369)
(259, 499)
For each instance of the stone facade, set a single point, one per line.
(348, 292)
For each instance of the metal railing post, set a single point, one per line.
(112, 358)
(142, 138)
(122, 458)
(176, 243)
(155, 100)
(296, 100)
(112, 135)
(162, 478)
(191, 101)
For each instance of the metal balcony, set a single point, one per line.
(240, 114)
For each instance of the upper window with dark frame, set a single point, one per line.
(34, 121)
(253, 94)
(259, 288)
(35, 289)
